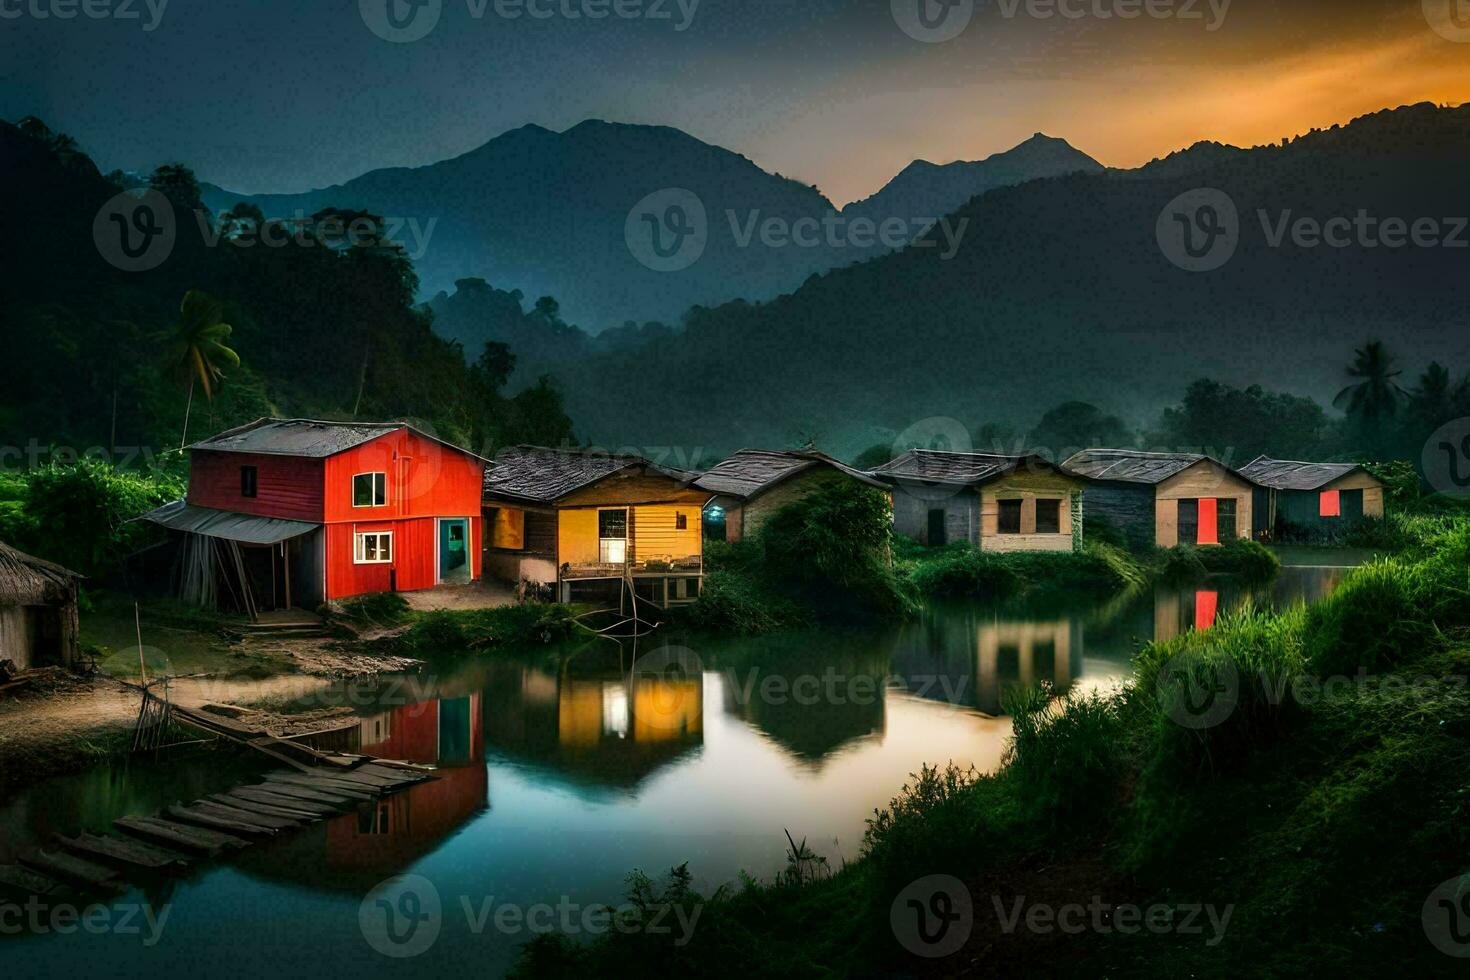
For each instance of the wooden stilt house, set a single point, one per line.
(583, 524)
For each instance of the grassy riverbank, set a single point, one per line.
(1321, 805)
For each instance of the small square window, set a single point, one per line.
(681, 522)
(370, 490)
(374, 548)
(249, 481)
(1048, 517)
(1009, 518)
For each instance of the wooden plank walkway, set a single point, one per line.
(172, 842)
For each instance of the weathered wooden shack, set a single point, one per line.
(753, 484)
(582, 522)
(996, 503)
(1310, 500)
(38, 611)
(1166, 499)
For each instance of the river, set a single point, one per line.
(562, 771)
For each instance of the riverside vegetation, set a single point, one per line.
(1325, 806)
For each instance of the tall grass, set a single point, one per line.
(1066, 755)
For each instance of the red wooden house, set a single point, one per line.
(290, 512)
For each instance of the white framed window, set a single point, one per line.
(373, 548)
(612, 535)
(370, 490)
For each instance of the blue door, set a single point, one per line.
(454, 550)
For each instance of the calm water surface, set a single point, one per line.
(561, 774)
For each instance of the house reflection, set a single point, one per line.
(595, 726)
(355, 850)
(971, 657)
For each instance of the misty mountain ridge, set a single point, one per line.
(548, 213)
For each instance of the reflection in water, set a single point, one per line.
(558, 776)
(590, 722)
(356, 850)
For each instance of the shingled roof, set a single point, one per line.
(28, 580)
(540, 475)
(752, 472)
(307, 437)
(1281, 474)
(962, 469)
(1131, 466)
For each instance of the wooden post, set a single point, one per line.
(142, 667)
(286, 560)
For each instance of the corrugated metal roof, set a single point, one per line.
(298, 437)
(28, 580)
(961, 469)
(1281, 474)
(541, 475)
(309, 438)
(246, 528)
(753, 471)
(1131, 466)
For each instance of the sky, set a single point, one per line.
(285, 95)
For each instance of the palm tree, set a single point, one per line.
(199, 349)
(1377, 394)
(1432, 399)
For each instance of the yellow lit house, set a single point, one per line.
(581, 524)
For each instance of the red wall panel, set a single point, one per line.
(425, 481)
(286, 486)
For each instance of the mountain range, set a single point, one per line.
(548, 213)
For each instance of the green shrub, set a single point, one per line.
(79, 515)
(1218, 694)
(833, 548)
(378, 609)
(454, 631)
(1244, 559)
(1373, 621)
(964, 571)
(737, 602)
(1066, 754)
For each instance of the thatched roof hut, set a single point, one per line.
(38, 610)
